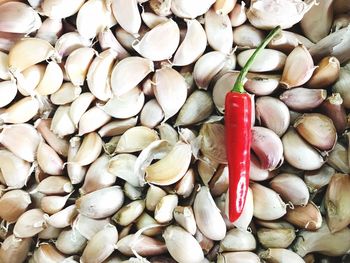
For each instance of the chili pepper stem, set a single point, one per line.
(239, 84)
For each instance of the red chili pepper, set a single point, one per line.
(238, 136)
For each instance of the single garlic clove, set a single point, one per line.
(152, 20)
(238, 14)
(47, 253)
(29, 223)
(190, 9)
(8, 92)
(70, 242)
(89, 149)
(238, 240)
(306, 217)
(153, 197)
(57, 10)
(67, 93)
(303, 99)
(18, 17)
(53, 204)
(15, 172)
(4, 70)
(126, 39)
(86, 123)
(98, 176)
(326, 73)
(15, 249)
(61, 123)
(219, 31)
(185, 186)
(151, 114)
(76, 172)
(132, 192)
(126, 105)
(62, 218)
(219, 183)
(168, 133)
(267, 203)
(21, 111)
(223, 7)
(205, 243)
(127, 15)
(50, 30)
(295, 74)
(55, 185)
(206, 169)
(160, 43)
(69, 42)
(101, 245)
(268, 147)
(34, 50)
(193, 45)
(107, 40)
(117, 127)
(300, 154)
(291, 188)
(24, 147)
(48, 160)
(247, 36)
(122, 166)
(159, 7)
(336, 202)
(144, 221)
(276, 238)
(13, 204)
(339, 158)
(29, 79)
(286, 41)
(208, 217)
(341, 86)
(51, 81)
(103, 17)
(266, 107)
(237, 257)
(98, 204)
(315, 180)
(88, 227)
(280, 255)
(271, 13)
(256, 171)
(141, 244)
(184, 216)
(79, 106)
(177, 241)
(129, 213)
(333, 108)
(164, 210)
(317, 129)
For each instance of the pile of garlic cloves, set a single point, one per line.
(112, 144)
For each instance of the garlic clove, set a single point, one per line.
(117, 127)
(160, 7)
(341, 86)
(103, 17)
(219, 31)
(50, 30)
(236, 257)
(69, 42)
(13, 204)
(261, 84)
(223, 7)
(247, 36)
(79, 106)
(48, 160)
(87, 123)
(326, 73)
(76, 172)
(98, 204)
(339, 158)
(127, 15)
(15, 249)
(193, 45)
(300, 154)
(190, 9)
(177, 241)
(315, 180)
(125, 106)
(129, 213)
(122, 166)
(123, 79)
(4, 71)
(8, 92)
(53, 204)
(89, 149)
(67, 93)
(267, 203)
(47, 253)
(306, 217)
(132, 192)
(62, 218)
(168, 133)
(238, 14)
(213, 141)
(21, 111)
(153, 197)
(276, 238)
(280, 255)
(55, 185)
(61, 123)
(219, 182)
(151, 114)
(29, 223)
(256, 171)
(160, 43)
(184, 187)
(340, 21)
(146, 220)
(107, 40)
(303, 99)
(88, 227)
(164, 210)
(29, 79)
(238, 240)
(51, 81)
(57, 10)
(208, 217)
(152, 20)
(70, 242)
(184, 216)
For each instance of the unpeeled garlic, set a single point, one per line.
(21, 111)
(8, 92)
(55, 185)
(238, 14)
(95, 113)
(47, 253)
(190, 9)
(29, 79)
(75, 172)
(79, 106)
(122, 166)
(69, 42)
(127, 15)
(48, 160)
(238, 257)
(151, 114)
(62, 218)
(70, 242)
(89, 149)
(15, 249)
(276, 238)
(326, 73)
(339, 158)
(29, 223)
(67, 93)
(61, 123)
(247, 36)
(306, 217)
(280, 255)
(315, 180)
(50, 30)
(107, 40)
(117, 127)
(129, 213)
(13, 204)
(88, 227)
(151, 20)
(56, 9)
(238, 240)
(53, 204)
(267, 60)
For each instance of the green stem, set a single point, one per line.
(238, 86)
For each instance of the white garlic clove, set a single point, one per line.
(184, 216)
(13, 204)
(107, 40)
(190, 9)
(51, 81)
(53, 204)
(57, 10)
(129, 213)
(223, 7)
(69, 42)
(127, 15)
(50, 30)
(151, 114)
(21, 111)
(247, 36)
(153, 197)
(47, 253)
(29, 79)
(164, 211)
(76, 172)
(151, 20)
(122, 166)
(63, 218)
(268, 60)
(15, 249)
(92, 120)
(4, 71)
(89, 149)
(67, 93)
(55, 185)
(238, 14)
(61, 124)
(48, 160)
(70, 242)
(117, 127)
(279, 255)
(79, 106)
(238, 240)
(29, 223)
(8, 90)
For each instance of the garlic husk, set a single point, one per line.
(170, 90)
(47, 253)
(127, 15)
(273, 255)
(97, 204)
(53, 204)
(238, 14)
(160, 43)
(271, 13)
(323, 241)
(70, 242)
(98, 176)
(50, 30)
(79, 106)
(237, 257)
(21, 111)
(57, 10)
(107, 41)
(326, 73)
(336, 202)
(219, 31)
(317, 22)
(69, 42)
(89, 149)
(15, 171)
(238, 240)
(305, 217)
(29, 223)
(55, 185)
(291, 188)
(62, 124)
(22, 146)
(67, 93)
(15, 249)
(13, 204)
(103, 17)
(267, 203)
(333, 108)
(88, 227)
(266, 107)
(129, 213)
(247, 36)
(303, 99)
(341, 86)
(317, 129)
(101, 245)
(268, 147)
(98, 75)
(268, 60)
(86, 123)
(34, 50)
(338, 158)
(151, 114)
(208, 217)
(122, 75)
(295, 74)
(190, 9)
(276, 238)
(76, 172)
(18, 17)
(335, 44)
(193, 45)
(126, 105)
(8, 92)
(117, 127)
(48, 160)
(315, 180)
(178, 240)
(213, 141)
